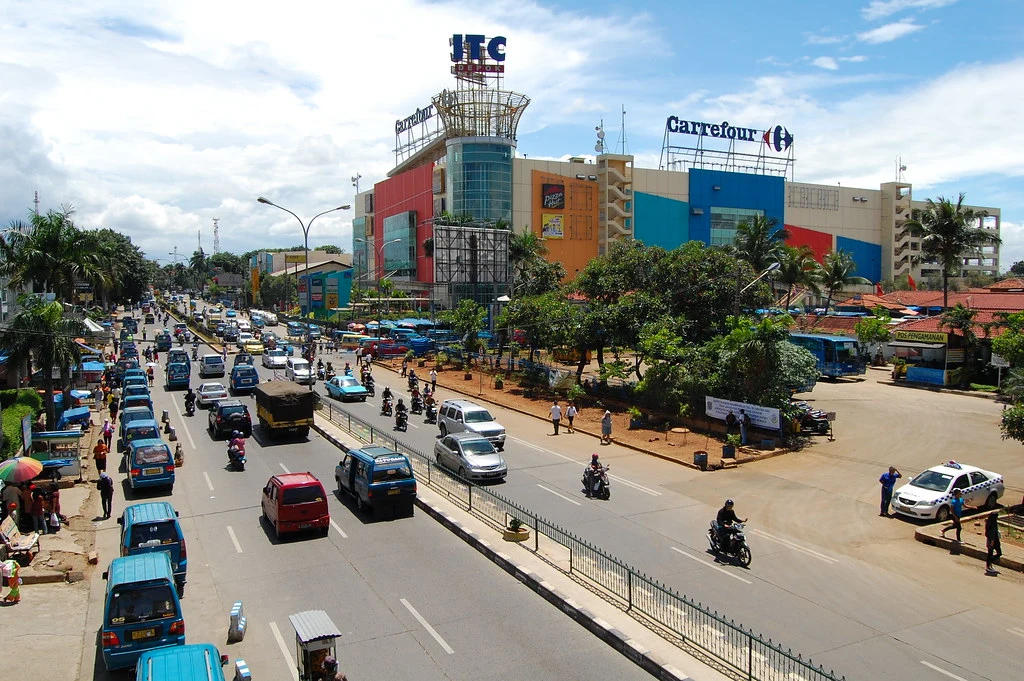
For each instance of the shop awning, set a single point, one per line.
(916, 344)
(92, 326)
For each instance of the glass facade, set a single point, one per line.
(360, 251)
(724, 221)
(480, 180)
(399, 257)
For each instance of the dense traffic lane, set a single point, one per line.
(861, 619)
(413, 601)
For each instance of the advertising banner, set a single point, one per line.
(332, 300)
(295, 257)
(552, 196)
(26, 433)
(551, 226)
(762, 417)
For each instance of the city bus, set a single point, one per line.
(837, 355)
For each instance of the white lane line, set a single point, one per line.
(285, 652)
(531, 445)
(943, 671)
(337, 527)
(711, 565)
(184, 424)
(1017, 630)
(796, 547)
(627, 483)
(426, 625)
(559, 495)
(209, 483)
(285, 468)
(234, 539)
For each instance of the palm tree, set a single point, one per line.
(837, 272)
(40, 334)
(525, 248)
(759, 241)
(797, 267)
(949, 233)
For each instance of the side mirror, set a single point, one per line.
(223, 660)
(120, 521)
(177, 515)
(105, 574)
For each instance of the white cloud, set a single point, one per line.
(855, 59)
(822, 39)
(827, 63)
(1012, 250)
(889, 32)
(879, 9)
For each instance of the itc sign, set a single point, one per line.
(473, 54)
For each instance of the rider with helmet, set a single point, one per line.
(726, 519)
(190, 400)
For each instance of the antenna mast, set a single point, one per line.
(36, 202)
(355, 181)
(216, 236)
(622, 133)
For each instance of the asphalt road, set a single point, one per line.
(829, 578)
(412, 600)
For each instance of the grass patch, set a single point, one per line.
(984, 388)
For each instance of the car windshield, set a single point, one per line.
(301, 365)
(399, 472)
(348, 383)
(152, 534)
(276, 353)
(142, 433)
(301, 495)
(481, 446)
(152, 454)
(478, 416)
(933, 480)
(233, 409)
(133, 604)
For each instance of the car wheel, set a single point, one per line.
(444, 430)
(990, 503)
(462, 472)
(359, 502)
(942, 515)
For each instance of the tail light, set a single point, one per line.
(178, 628)
(184, 551)
(136, 472)
(170, 468)
(110, 639)
(414, 488)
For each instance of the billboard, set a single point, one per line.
(551, 226)
(552, 196)
(295, 258)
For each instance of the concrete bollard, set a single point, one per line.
(165, 417)
(236, 630)
(242, 671)
(171, 435)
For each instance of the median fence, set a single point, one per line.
(744, 652)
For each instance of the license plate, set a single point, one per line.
(140, 634)
(305, 526)
(152, 471)
(394, 491)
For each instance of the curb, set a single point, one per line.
(42, 577)
(965, 549)
(632, 650)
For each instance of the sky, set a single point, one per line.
(154, 118)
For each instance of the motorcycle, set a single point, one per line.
(595, 482)
(236, 458)
(190, 408)
(737, 548)
(385, 407)
(414, 384)
(416, 405)
(431, 414)
(320, 373)
(401, 421)
(369, 388)
(195, 354)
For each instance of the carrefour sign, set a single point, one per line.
(471, 52)
(778, 138)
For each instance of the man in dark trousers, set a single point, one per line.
(106, 487)
(730, 423)
(888, 481)
(995, 550)
(744, 426)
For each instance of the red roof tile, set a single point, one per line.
(933, 324)
(1008, 285)
(810, 323)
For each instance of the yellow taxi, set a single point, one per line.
(253, 347)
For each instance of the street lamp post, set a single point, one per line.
(305, 241)
(739, 292)
(379, 259)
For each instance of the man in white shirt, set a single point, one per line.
(556, 415)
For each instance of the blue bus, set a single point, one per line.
(837, 355)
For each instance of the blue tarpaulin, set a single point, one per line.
(93, 366)
(72, 416)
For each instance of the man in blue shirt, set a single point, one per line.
(888, 481)
(956, 507)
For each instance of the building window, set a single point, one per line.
(400, 257)
(724, 222)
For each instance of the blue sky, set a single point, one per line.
(155, 118)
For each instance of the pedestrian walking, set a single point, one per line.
(606, 428)
(114, 406)
(744, 426)
(108, 432)
(149, 375)
(730, 423)
(38, 512)
(888, 481)
(556, 415)
(433, 380)
(99, 454)
(106, 488)
(995, 549)
(405, 368)
(97, 396)
(570, 415)
(956, 508)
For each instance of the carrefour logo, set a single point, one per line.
(778, 138)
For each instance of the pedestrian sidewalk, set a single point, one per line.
(629, 636)
(973, 542)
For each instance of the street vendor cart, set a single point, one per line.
(314, 640)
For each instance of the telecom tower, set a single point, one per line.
(216, 236)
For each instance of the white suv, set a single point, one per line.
(297, 369)
(457, 416)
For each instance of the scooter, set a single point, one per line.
(195, 353)
(369, 387)
(416, 405)
(320, 374)
(595, 482)
(737, 548)
(414, 384)
(431, 414)
(401, 421)
(385, 407)
(236, 458)
(190, 409)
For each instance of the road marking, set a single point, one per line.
(209, 483)
(557, 494)
(338, 528)
(627, 483)
(943, 671)
(284, 651)
(426, 625)
(234, 539)
(283, 467)
(184, 424)
(711, 565)
(796, 547)
(1017, 630)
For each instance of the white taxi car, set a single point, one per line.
(929, 493)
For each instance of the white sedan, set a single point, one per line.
(208, 393)
(929, 493)
(275, 359)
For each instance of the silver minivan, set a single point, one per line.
(457, 416)
(297, 369)
(211, 365)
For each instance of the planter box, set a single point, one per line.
(635, 424)
(522, 534)
(499, 384)
(467, 376)
(728, 451)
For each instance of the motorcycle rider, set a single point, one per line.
(593, 472)
(236, 446)
(190, 401)
(401, 412)
(726, 519)
(387, 393)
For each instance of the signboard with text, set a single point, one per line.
(921, 336)
(551, 226)
(761, 417)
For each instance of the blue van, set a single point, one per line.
(150, 464)
(129, 401)
(163, 341)
(244, 379)
(179, 375)
(141, 609)
(154, 526)
(135, 388)
(377, 476)
(134, 372)
(138, 429)
(192, 662)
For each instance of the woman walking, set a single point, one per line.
(570, 415)
(606, 428)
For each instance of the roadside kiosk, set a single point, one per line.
(314, 640)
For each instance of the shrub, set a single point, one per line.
(12, 429)
(29, 398)
(575, 392)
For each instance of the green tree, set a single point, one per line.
(466, 321)
(837, 273)
(1017, 268)
(797, 267)
(950, 232)
(42, 337)
(1012, 424)
(228, 262)
(874, 330)
(1010, 344)
(960, 320)
(759, 241)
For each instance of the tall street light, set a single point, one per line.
(739, 292)
(305, 241)
(379, 258)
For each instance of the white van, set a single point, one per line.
(297, 369)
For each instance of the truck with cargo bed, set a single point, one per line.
(284, 406)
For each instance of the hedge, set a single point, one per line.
(16, 405)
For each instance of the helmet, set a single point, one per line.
(728, 502)
(593, 457)
(330, 663)
(236, 433)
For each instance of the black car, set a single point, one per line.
(229, 415)
(219, 332)
(230, 334)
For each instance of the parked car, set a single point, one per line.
(227, 416)
(456, 416)
(928, 494)
(346, 388)
(471, 455)
(208, 393)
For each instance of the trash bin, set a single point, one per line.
(700, 459)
